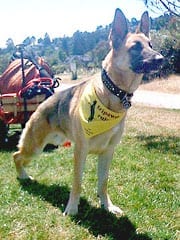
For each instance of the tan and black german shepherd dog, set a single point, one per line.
(72, 113)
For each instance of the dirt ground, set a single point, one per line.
(169, 85)
(152, 120)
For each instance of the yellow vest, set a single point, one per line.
(95, 117)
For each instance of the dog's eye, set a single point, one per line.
(137, 47)
(150, 45)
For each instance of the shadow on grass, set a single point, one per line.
(97, 221)
(12, 142)
(161, 143)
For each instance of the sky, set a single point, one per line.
(25, 18)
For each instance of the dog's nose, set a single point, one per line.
(158, 59)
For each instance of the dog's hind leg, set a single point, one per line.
(32, 142)
(21, 160)
(103, 173)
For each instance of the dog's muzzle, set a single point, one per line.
(152, 63)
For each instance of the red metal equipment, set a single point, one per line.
(27, 81)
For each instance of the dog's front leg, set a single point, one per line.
(80, 154)
(103, 173)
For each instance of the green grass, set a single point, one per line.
(143, 182)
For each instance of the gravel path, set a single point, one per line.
(157, 99)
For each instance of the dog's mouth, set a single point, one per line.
(148, 65)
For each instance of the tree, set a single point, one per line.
(47, 40)
(65, 46)
(170, 6)
(27, 41)
(33, 40)
(62, 55)
(78, 43)
(10, 44)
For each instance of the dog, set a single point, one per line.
(92, 113)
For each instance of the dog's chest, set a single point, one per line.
(95, 117)
(109, 139)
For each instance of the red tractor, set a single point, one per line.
(27, 81)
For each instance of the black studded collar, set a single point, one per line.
(124, 96)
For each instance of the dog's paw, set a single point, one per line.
(113, 209)
(25, 178)
(70, 210)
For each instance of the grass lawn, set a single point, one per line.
(143, 182)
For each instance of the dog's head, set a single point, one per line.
(133, 51)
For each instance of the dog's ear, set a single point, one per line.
(119, 29)
(144, 25)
